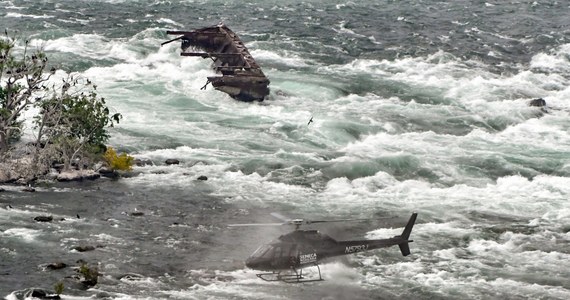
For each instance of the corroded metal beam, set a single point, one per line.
(242, 78)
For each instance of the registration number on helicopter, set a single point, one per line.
(356, 248)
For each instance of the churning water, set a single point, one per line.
(417, 106)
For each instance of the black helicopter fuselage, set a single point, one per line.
(306, 248)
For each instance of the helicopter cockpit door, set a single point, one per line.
(293, 256)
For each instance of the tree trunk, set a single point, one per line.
(3, 143)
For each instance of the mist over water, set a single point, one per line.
(417, 106)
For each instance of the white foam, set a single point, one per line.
(26, 234)
(282, 57)
(169, 21)
(18, 15)
(556, 61)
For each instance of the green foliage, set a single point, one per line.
(90, 274)
(15, 125)
(12, 93)
(58, 288)
(123, 162)
(82, 116)
(73, 120)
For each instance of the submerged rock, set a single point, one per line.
(56, 266)
(83, 248)
(539, 102)
(131, 277)
(109, 173)
(29, 189)
(172, 161)
(141, 162)
(35, 293)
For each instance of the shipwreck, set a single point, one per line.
(241, 77)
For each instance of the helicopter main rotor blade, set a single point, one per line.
(340, 220)
(280, 217)
(256, 224)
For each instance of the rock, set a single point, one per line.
(36, 293)
(141, 162)
(158, 172)
(172, 161)
(6, 176)
(104, 295)
(56, 266)
(43, 219)
(137, 213)
(202, 178)
(130, 277)
(78, 175)
(58, 167)
(2, 190)
(83, 248)
(29, 189)
(109, 173)
(539, 102)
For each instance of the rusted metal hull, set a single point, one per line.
(241, 77)
(242, 87)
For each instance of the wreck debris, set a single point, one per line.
(242, 77)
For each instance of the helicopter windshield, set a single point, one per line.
(270, 251)
(262, 250)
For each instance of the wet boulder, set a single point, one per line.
(539, 102)
(108, 173)
(56, 266)
(83, 248)
(28, 189)
(202, 178)
(172, 161)
(131, 277)
(35, 293)
(141, 162)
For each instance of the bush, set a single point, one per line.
(58, 287)
(123, 162)
(21, 79)
(71, 126)
(90, 275)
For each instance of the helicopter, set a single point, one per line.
(285, 258)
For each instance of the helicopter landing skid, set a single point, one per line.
(291, 276)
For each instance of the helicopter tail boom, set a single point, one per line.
(404, 245)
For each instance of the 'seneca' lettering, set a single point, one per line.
(307, 258)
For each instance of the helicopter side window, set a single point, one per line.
(277, 252)
(293, 251)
